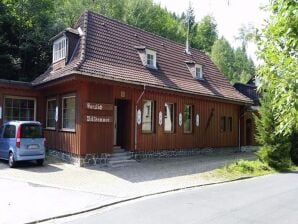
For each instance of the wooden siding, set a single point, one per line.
(59, 139)
(208, 133)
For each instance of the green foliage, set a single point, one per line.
(222, 55)
(242, 168)
(274, 150)
(205, 35)
(234, 64)
(278, 45)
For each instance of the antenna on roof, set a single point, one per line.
(187, 49)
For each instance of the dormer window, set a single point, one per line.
(198, 72)
(59, 49)
(150, 58)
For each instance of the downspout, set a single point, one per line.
(136, 114)
(239, 129)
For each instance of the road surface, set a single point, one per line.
(269, 199)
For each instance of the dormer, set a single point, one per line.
(147, 56)
(64, 46)
(195, 69)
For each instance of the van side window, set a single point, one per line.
(9, 131)
(1, 130)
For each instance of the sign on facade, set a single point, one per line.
(197, 120)
(180, 119)
(99, 119)
(160, 118)
(139, 117)
(99, 106)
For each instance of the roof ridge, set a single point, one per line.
(84, 38)
(145, 31)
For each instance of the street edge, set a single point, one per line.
(135, 198)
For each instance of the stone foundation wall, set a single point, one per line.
(101, 160)
(249, 148)
(181, 152)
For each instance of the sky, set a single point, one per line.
(230, 15)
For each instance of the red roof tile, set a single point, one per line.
(108, 50)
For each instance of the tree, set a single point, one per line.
(222, 55)
(243, 66)
(205, 35)
(278, 45)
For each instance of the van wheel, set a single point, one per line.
(39, 162)
(11, 162)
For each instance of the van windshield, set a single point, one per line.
(31, 131)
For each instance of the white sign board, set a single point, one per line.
(0, 112)
(56, 114)
(139, 117)
(180, 119)
(160, 118)
(197, 120)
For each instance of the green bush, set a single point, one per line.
(294, 149)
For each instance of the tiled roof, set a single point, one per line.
(108, 50)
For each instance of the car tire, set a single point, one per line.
(11, 162)
(39, 162)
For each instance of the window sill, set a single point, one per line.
(147, 132)
(50, 129)
(68, 130)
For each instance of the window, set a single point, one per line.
(31, 131)
(223, 124)
(169, 117)
(68, 113)
(51, 113)
(226, 124)
(9, 131)
(148, 118)
(20, 109)
(150, 58)
(187, 119)
(229, 124)
(59, 49)
(199, 72)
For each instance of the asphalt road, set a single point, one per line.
(270, 199)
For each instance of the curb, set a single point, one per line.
(134, 198)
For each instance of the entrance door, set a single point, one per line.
(115, 124)
(122, 125)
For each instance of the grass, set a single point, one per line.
(240, 169)
(244, 168)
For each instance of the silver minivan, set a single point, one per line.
(22, 140)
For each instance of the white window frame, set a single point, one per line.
(190, 120)
(172, 121)
(62, 114)
(63, 50)
(145, 114)
(48, 100)
(153, 53)
(20, 98)
(201, 72)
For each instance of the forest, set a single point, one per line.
(26, 27)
